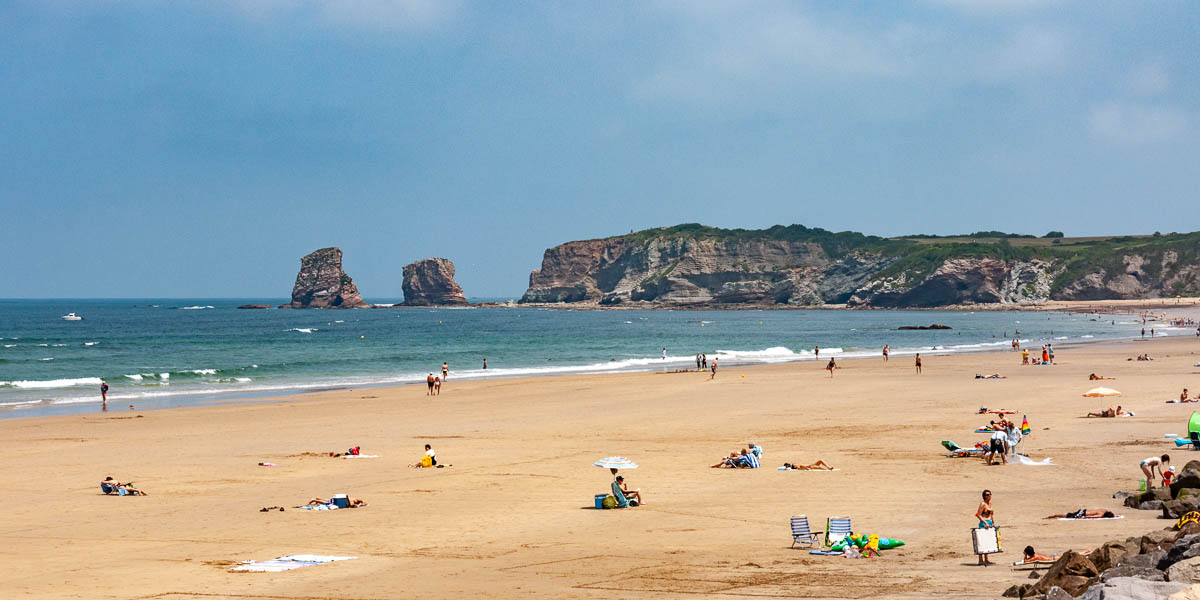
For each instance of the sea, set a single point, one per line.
(163, 353)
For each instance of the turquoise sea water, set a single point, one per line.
(162, 353)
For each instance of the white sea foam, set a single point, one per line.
(10, 345)
(58, 345)
(164, 376)
(304, 329)
(339, 321)
(134, 377)
(47, 358)
(242, 379)
(21, 403)
(43, 345)
(51, 383)
(204, 371)
(194, 307)
(253, 366)
(1087, 337)
(90, 343)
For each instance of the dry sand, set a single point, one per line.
(512, 516)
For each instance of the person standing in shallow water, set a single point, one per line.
(886, 350)
(103, 395)
(485, 364)
(445, 371)
(918, 363)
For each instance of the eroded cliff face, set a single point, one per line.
(321, 283)
(961, 281)
(430, 282)
(689, 271)
(731, 270)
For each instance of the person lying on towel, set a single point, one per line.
(1109, 412)
(1085, 513)
(354, 502)
(820, 465)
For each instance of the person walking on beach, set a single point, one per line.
(445, 371)
(987, 520)
(918, 363)
(830, 367)
(1025, 356)
(714, 369)
(437, 386)
(429, 382)
(886, 350)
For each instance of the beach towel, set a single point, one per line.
(1037, 564)
(361, 456)
(827, 552)
(326, 506)
(1029, 462)
(287, 563)
(1113, 518)
(622, 502)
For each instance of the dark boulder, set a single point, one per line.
(1072, 572)
(1147, 573)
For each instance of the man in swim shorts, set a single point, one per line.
(429, 380)
(999, 439)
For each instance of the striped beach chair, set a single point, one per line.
(802, 533)
(836, 529)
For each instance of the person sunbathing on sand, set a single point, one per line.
(354, 502)
(1110, 412)
(110, 485)
(820, 465)
(1085, 513)
(992, 376)
(1095, 377)
(1031, 556)
(729, 461)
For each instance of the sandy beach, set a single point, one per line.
(513, 516)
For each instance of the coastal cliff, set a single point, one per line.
(430, 282)
(694, 265)
(321, 283)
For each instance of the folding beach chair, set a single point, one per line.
(836, 529)
(801, 533)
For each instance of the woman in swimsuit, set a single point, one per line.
(986, 517)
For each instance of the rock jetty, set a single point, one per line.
(430, 282)
(321, 283)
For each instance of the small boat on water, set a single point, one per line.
(72, 317)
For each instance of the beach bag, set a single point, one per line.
(427, 461)
(610, 502)
(353, 451)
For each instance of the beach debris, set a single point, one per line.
(287, 563)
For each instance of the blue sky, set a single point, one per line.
(201, 148)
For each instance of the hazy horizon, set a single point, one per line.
(192, 150)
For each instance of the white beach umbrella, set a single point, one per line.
(615, 462)
(1101, 392)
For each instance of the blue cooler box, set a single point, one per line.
(600, 500)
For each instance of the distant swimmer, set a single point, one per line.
(664, 353)
(485, 364)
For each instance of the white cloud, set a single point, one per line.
(1149, 80)
(722, 52)
(1123, 123)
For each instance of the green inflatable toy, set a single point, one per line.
(858, 541)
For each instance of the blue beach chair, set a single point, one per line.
(836, 529)
(802, 533)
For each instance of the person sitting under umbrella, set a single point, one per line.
(635, 495)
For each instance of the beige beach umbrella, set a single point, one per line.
(1101, 392)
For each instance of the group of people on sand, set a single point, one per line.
(435, 382)
(985, 515)
(1046, 358)
(747, 458)
(701, 361)
(1141, 358)
(1006, 436)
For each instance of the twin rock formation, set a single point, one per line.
(321, 283)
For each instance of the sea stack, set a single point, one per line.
(430, 282)
(321, 283)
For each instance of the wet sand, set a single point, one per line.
(512, 516)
